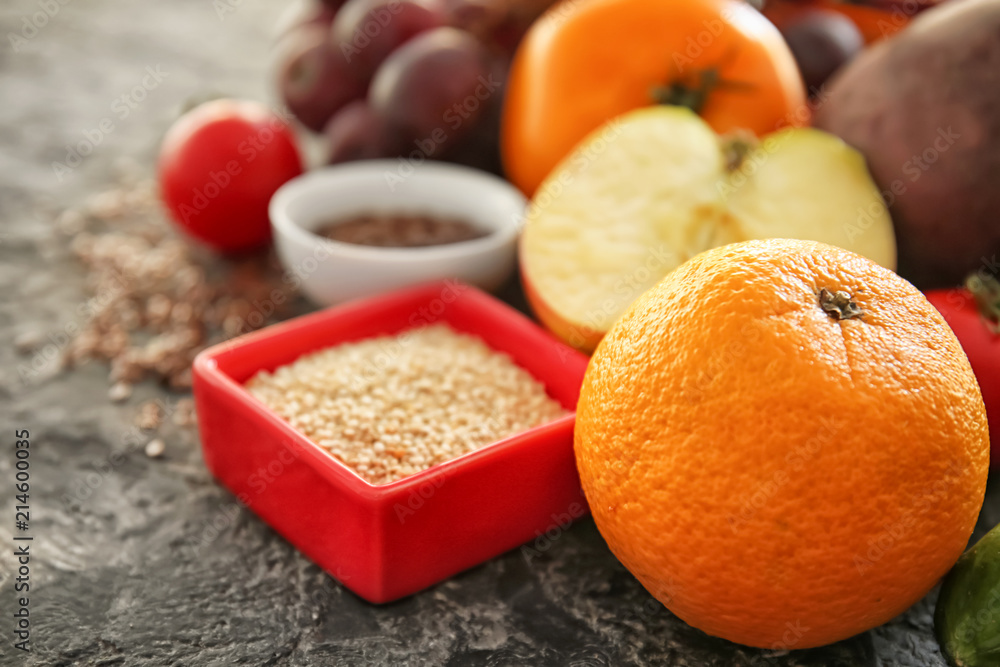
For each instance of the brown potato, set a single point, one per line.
(924, 109)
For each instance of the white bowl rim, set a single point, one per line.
(320, 178)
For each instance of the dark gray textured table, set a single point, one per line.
(113, 578)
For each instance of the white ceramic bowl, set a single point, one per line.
(331, 271)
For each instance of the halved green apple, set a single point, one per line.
(657, 186)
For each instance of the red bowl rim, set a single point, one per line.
(335, 471)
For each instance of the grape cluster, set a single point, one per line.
(387, 78)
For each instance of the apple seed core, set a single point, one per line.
(736, 146)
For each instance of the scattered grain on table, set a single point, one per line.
(155, 448)
(149, 416)
(184, 413)
(156, 300)
(119, 392)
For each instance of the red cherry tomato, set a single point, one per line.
(982, 345)
(219, 165)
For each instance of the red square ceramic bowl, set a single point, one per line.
(387, 541)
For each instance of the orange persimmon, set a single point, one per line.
(586, 61)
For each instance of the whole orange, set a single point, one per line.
(784, 443)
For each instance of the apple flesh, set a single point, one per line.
(657, 186)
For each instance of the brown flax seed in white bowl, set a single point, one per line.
(391, 406)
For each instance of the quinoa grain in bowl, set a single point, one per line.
(391, 406)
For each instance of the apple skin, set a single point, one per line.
(582, 338)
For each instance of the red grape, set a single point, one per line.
(358, 133)
(495, 23)
(436, 88)
(908, 7)
(498, 24)
(475, 16)
(315, 79)
(821, 41)
(367, 31)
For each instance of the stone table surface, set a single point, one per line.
(111, 581)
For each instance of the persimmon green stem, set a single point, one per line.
(691, 88)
